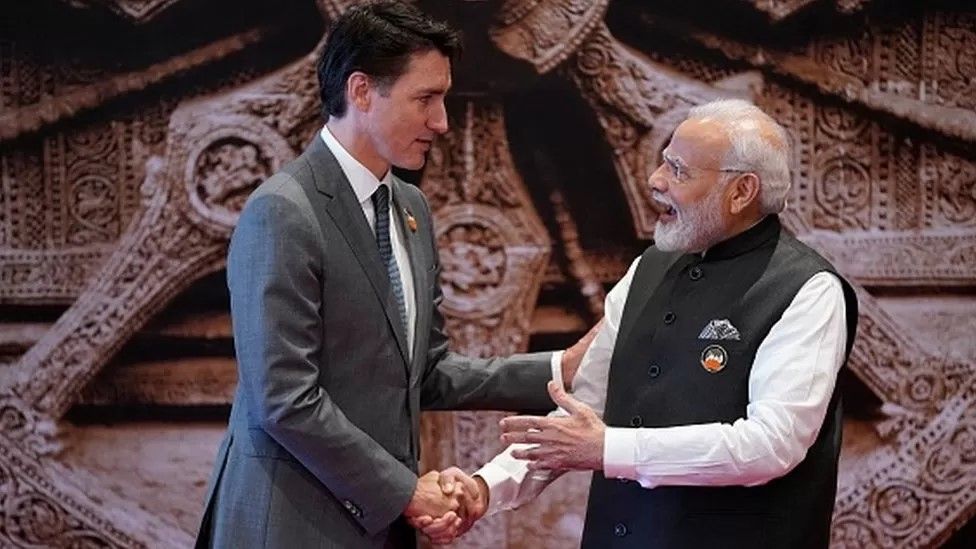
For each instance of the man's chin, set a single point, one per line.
(412, 164)
(663, 240)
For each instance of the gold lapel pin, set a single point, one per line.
(411, 220)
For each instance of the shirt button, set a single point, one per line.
(620, 529)
(695, 273)
(636, 421)
(653, 371)
(669, 317)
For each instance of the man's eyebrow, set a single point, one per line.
(433, 91)
(666, 154)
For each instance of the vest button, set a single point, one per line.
(669, 317)
(636, 421)
(620, 529)
(695, 273)
(654, 371)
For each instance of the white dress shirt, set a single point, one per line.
(364, 184)
(789, 392)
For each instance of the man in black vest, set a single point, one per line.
(707, 402)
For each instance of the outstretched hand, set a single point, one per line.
(573, 442)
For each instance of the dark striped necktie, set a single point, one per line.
(381, 205)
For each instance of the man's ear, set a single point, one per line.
(744, 191)
(358, 88)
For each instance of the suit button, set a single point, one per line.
(620, 529)
(636, 421)
(653, 371)
(669, 317)
(695, 273)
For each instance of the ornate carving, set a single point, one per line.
(898, 495)
(39, 113)
(545, 33)
(833, 65)
(227, 157)
(901, 259)
(43, 506)
(473, 262)
(46, 277)
(948, 59)
(579, 268)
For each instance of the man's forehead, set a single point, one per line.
(697, 140)
(428, 71)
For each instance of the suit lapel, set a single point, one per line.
(403, 208)
(348, 216)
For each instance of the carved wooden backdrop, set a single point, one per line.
(131, 132)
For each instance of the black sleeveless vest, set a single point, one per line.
(658, 378)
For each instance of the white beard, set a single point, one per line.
(694, 228)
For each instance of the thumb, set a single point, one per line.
(447, 479)
(564, 400)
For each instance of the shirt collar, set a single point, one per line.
(759, 234)
(363, 182)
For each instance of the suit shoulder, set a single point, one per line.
(795, 252)
(280, 193)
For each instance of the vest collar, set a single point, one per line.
(766, 230)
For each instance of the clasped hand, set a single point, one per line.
(446, 504)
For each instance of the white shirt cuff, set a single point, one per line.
(501, 492)
(556, 364)
(620, 453)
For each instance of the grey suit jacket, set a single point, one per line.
(323, 441)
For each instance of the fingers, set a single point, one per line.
(522, 423)
(444, 529)
(447, 479)
(420, 522)
(534, 453)
(470, 486)
(524, 437)
(550, 464)
(564, 401)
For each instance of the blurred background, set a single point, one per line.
(132, 131)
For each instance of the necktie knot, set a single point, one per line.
(381, 199)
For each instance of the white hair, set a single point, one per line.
(758, 144)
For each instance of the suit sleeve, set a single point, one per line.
(274, 273)
(455, 382)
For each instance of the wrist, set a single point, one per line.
(410, 510)
(483, 488)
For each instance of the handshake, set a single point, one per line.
(446, 504)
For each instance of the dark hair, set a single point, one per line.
(378, 40)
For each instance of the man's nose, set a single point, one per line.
(438, 119)
(658, 179)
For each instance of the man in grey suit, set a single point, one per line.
(333, 277)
